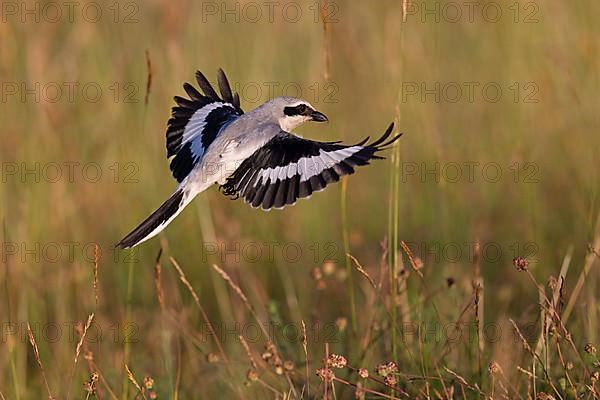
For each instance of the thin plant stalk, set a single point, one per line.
(393, 225)
(126, 350)
(350, 279)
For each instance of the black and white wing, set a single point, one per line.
(196, 122)
(288, 168)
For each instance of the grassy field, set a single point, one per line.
(498, 103)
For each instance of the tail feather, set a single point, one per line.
(157, 221)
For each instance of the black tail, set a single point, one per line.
(155, 222)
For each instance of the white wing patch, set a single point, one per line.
(307, 167)
(194, 128)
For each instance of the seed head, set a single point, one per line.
(88, 355)
(590, 349)
(363, 373)
(212, 358)
(316, 274)
(325, 374)
(341, 323)
(148, 382)
(520, 263)
(288, 365)
(569, 365)
(329, 268)
(269, 353)
(90, 385)
(252, 375)
(336, 361)
(386, 369)
(494, 367)
(390, 380)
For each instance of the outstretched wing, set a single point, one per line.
(196, 122)
(289, 167)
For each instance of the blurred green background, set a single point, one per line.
(514, 93)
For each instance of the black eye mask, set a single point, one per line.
(300, 109)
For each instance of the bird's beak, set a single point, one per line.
(318, 117)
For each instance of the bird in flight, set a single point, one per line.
(252, 155)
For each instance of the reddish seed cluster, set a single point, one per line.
(288, 365)
(149, 386)
(252, 375)
(326, 374)
(520, 263)
(90, 385)
(386, 369)
(494, 367)
(590, 349)
(390, 380)
(336, 361)
(271, 357)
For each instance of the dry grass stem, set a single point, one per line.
(233, 286)
(589, 261)
(411, 258)
(324, 14)
(305, 348)
(134, 382)
(362, 270)
(36, 353)
(96, 263)
(158, 281)
(261, 325)
(78, 351)
(149, 78)
(248, 352)
(188, 285)
(82, 338)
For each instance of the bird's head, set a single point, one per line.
(291, 112)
